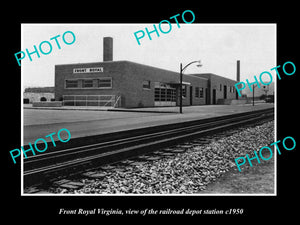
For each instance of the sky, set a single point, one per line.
(218, 46)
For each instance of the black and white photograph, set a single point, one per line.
(107, 112)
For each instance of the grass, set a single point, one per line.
(258, 179)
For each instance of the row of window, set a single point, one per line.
(103, 82)
(199, 92)
(231, 88)
(165, 94)
(106, 83)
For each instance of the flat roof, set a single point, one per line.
(211, 74)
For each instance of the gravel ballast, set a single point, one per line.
(179, 173)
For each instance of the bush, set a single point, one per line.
(43, 99)
(262, 97)
(270, 99)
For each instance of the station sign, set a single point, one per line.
(88, 70)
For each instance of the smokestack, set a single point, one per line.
(107, 49)
(238, 71)
(237, 76)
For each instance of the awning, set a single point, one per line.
(177, 84)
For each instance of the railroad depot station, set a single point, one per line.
(128, 84)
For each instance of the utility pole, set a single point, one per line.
(180, 88)
(253, 95)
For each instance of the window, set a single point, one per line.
(197, 92)
(87, 83)
(157, 94)
(71, 84)
(146, 84)
(201, 93)
(165, 95)
(169, 95)
(105, 82)
(184, 91)
(164, 92)
(220, 87)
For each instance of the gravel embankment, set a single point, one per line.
(187, 172)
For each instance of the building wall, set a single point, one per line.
(137, 73)
(65, 72)
(127, 81)
(191, 90)
(136, 95)
(217, 83)
(36, 97)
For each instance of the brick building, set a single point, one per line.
(128, 84)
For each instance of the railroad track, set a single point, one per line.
(83, 153)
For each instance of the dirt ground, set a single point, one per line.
(258, 179)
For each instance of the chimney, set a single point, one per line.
(107, 49)
(238, 71)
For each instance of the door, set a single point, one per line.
(225, 92)
(207, 102)
(191, 95)
(214, 96)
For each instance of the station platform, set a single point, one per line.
(87, 121)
